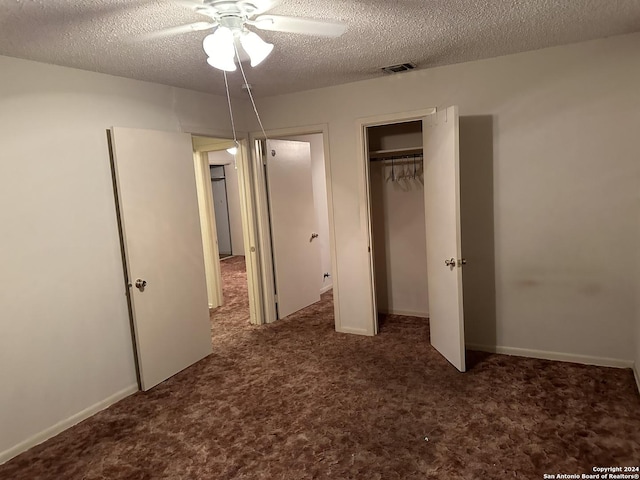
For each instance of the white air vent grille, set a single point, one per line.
(402, 67)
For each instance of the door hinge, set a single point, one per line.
(275, 298)
(369, 249)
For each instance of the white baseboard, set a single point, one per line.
(407, 313)
(326, 289)
(355, 331)
(59, 427)
(636, 374)
(546, 355)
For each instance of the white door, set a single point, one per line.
(296, 258)
(163, 247)
(444, 251)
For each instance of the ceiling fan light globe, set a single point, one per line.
(222, 63)
(219, 43)
(256, 48)
(233, 149)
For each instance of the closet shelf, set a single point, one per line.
(396, 152)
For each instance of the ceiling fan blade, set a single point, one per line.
(172, 31)
(265, 5)
(191, 4)
(303, 26)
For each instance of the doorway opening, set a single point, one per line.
(403, 155)
(294, 204)
(223, 225)
(397, 216)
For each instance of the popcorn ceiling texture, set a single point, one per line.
(295, 400)
(105, 36)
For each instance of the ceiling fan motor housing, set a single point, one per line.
(221, 9)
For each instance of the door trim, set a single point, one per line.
(264, 239)
(249, 216)
(265, 254)
(364, 193)
(209, 231)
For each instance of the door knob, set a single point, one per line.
(450, 262)
(140, 283)
(313, 235)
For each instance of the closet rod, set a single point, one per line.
(408, 158)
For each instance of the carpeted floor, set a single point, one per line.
(295, 400)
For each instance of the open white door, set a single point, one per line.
(160, 225)
(296, 259)
(444, 250)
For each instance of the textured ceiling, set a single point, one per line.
(106, 36)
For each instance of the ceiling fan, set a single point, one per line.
(229, 21)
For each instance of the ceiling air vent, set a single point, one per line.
(402, 67)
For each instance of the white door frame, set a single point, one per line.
(209, 231)
(250, 233)
(364, 191)
(262, 215)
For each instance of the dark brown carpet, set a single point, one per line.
(295, 400)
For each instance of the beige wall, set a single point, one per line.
(565, 172)
(65, 341)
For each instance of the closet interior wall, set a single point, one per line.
(398, 218)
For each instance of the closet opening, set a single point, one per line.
(397, 220)
(411, 185)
